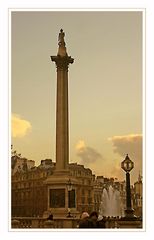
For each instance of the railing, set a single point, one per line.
(70, 222)
(33, 222)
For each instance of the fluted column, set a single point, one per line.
(62, 61)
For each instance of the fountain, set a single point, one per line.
(110, 203)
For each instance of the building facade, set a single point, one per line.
(138, 197)
(29, 193)
(29, 196)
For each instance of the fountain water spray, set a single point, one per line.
(110, 202)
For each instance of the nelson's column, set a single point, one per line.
(62, 61)
(58, 184)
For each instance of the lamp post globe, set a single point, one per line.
(127, 164)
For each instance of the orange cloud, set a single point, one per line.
(128, 144)
(88, 156)
(131, 144)
(19, 127)
(80, 145)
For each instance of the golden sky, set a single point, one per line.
(105, 87)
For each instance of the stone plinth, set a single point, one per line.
(58, 194)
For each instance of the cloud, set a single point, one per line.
(128, 144)
(80, 145)
(115, 169)
(111, 167)
(131, 144)
(87, 155)
(19, 127)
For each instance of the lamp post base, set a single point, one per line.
(129, 215)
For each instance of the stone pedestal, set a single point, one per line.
(58, 194)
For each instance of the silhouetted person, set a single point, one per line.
(101, 222)
(84, 220)
(49, 223)
(93, 220)
(50, 217)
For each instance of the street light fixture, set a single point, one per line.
(127, 165)
(69, 185)
(69, 188)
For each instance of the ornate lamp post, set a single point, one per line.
(127, 165)
(69, 188)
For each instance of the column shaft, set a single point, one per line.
(62, 129)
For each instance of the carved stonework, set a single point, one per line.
(62, 63)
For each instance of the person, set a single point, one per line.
(49, 223)
(50, 217)
(84, 220)
(101, 222)
(93, 220)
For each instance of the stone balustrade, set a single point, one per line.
(34, 222)
(69, 222)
